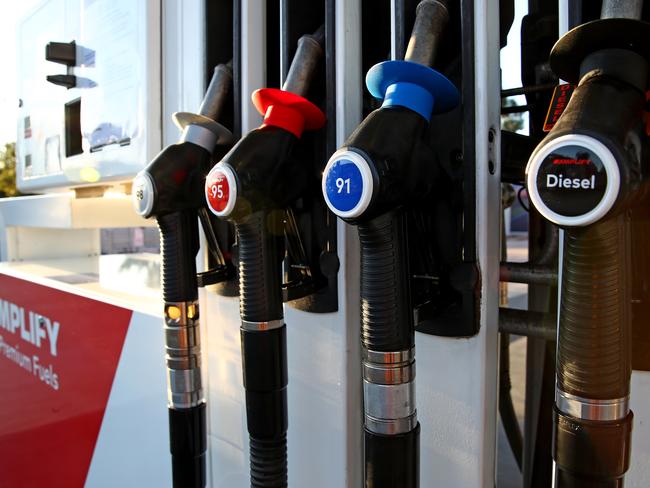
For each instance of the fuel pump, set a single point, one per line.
(251, 186)
(167, 189)
(386, 166)
(585, 176)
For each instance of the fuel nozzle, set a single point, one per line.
(589, 165)
(584, 176)
(386, 166)
(169, 182)
(252, 185)
(393, 140)
(259, 173)
(169, 189)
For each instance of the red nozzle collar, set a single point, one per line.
(287, 111)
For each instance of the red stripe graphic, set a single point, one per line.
(54, 381)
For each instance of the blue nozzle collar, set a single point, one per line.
(412, 85)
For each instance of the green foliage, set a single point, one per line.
(512, 122)
(8, 171)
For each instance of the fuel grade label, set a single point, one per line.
(571, 180)
(218, 190)
(221, 190)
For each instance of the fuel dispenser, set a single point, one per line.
(386, 166)
(250, 186)
(167, 190)
(585, 177)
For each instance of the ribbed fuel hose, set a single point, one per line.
(387, 337)
(187, 417)
(593, 420)
(594, 338)
(264, 345)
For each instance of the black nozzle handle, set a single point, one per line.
(594, 334)
(179, 245)
(260, 239)
(387, 314)
(392, 460)
(592, 422)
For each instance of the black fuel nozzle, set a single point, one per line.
(386, 167)
(387, 161)
(251, 186)
(590, 164)
(584, 176)
(168, 184)
(169, 189)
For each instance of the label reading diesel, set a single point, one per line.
(571, 180)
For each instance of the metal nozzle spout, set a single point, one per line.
(303, 66)
(616, 9)
(430, 21)
(217, 92)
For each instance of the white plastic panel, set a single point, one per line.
(457, 378)
(118, 87)
(136, 409)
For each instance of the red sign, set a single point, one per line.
(559, 101)
(218, 190)
(58, 357)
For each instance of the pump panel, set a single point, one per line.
(89, 82)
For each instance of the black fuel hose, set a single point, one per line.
(178, 242)
(386, 311)
(264, 346)
(387, 325)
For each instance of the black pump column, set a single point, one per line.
(252, 185)
(385, 167)
(584, 176)
(169, 188)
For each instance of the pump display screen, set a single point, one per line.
(572, 180)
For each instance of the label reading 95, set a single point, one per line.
(221, 190)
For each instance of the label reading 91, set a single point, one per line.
(218, 191)
(344, 185)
